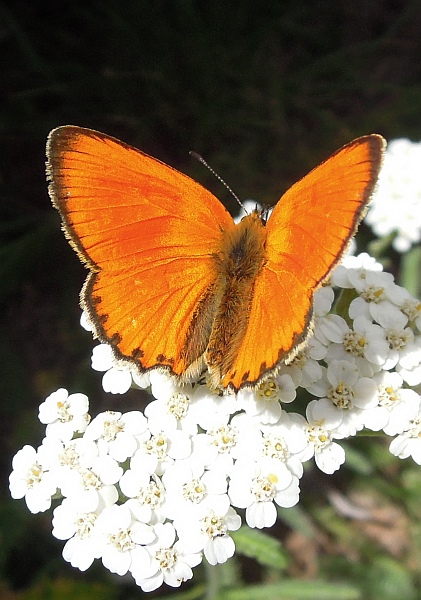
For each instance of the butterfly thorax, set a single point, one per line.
(243, 250)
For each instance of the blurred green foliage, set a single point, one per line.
(264, 90)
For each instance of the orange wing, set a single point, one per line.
(307, 234)
(149, 236)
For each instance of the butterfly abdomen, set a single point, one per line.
(242, 257)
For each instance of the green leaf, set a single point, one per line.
(380, 247)
(68, 589)
(341, 305)
(410, 271)
(387, 579)
(298, 519)
(357, 461)
(260, 546)
(294, 590)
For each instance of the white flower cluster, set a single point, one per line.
(396, 205)
(153, 493)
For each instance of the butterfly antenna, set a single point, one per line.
(202, 160)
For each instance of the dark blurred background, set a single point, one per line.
(264, 90)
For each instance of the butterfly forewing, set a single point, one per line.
(307, 234)
(148, 234)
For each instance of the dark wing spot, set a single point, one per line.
(245, 377)
(263, 368)
(115, 339)
(164, 360)
(137, 354)
(102, 319)
(95, 300)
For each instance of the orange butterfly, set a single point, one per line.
(174, 283)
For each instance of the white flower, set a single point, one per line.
(396, 204)
(353, 270)
(118, 435)
(169, 563)
(247, 437)
(304, 369)
(323, 300)
(68, 521)
(286, 441)
(161, 450)
(408, 443)
(102, 357)
(71, 454)
(107, 469)
(365, 344)
(263, 403)
(209, 409)
(215, 449)
(349, 395)
(84, 545)
(150, 494)
(85, 321)
(171, 409)
(321, 430)
(162, 385)
(89, 487)
(64, 460)
(29, 480)
(376, 293)
(208, 530)
(409, 366)
(142, 380)
(191, 488)
(64, 414)
(411, 307)
(396, 405)
(123, 540)
(117, 378)
(147, 495)
(257, 485)
(403, 349)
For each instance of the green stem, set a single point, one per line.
(410, 271)
(212, 580)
